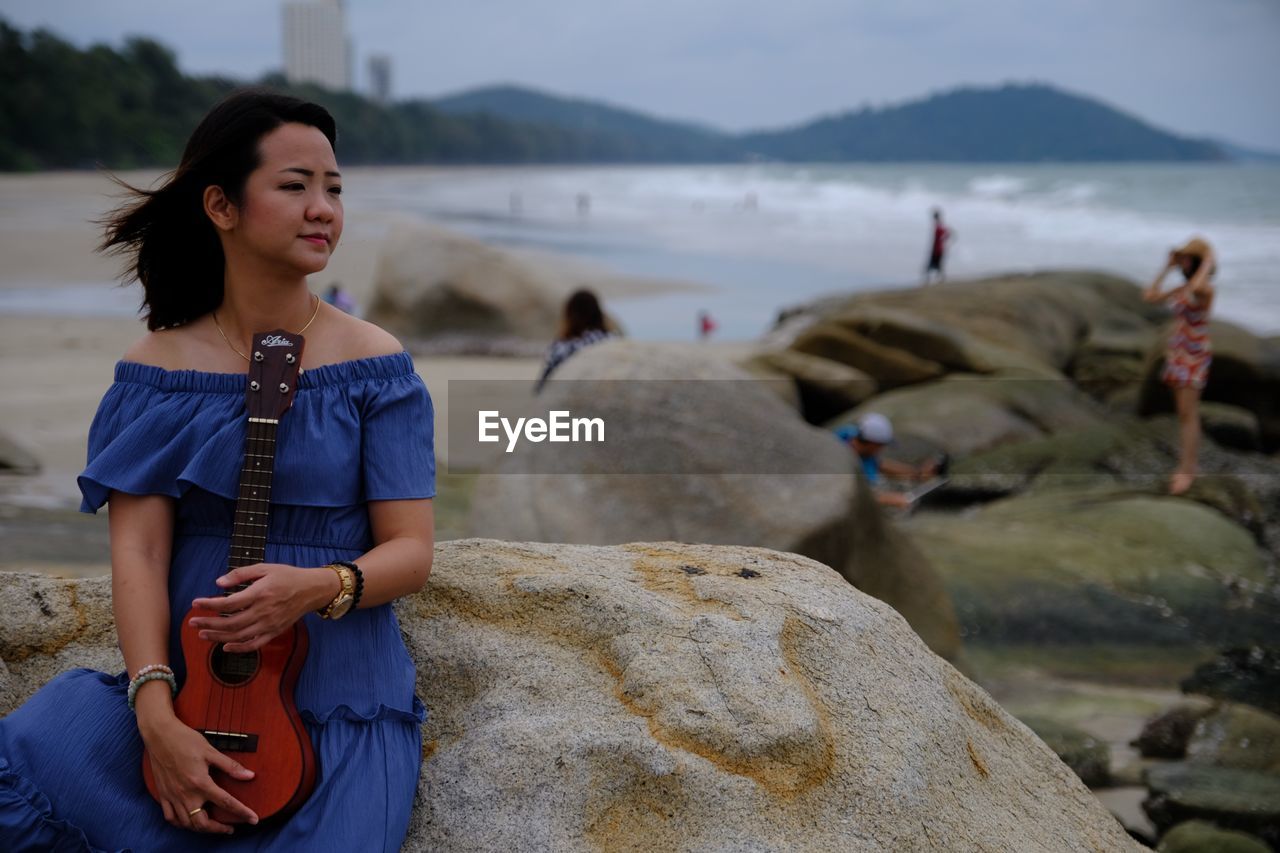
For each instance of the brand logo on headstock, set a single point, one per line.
(276, 341)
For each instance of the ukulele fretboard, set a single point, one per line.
(253, 500)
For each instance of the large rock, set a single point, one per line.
(1250, 675)
(696, 452)
(826, 387)
(1139, 454)
(1100, 564)
(953, 348)
(889, 366)
(16, 459)
(433, 284)
(1166, 734)
(1246, 800)
(685, 698)
(1087, 755)
(1198, 836)
(1027, 321)
(964, 414)
(1237, 736)
(1113, 362)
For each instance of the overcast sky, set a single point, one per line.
(1196, 67)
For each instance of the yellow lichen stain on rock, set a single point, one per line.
(641, 816)
(52, 645)
(797, 768)
(672, 574)
(429, 749)
(977, 759)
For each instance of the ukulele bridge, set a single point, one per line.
(231, 741)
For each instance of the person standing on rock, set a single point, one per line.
(223, 250)
(942, 235)
(1189, 352)
(582, 324)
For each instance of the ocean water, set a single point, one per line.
(769, 236)
(765, 237)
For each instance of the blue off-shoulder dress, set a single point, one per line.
(70, 777)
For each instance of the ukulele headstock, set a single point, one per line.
(274, 365)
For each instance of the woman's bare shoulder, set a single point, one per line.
(168, 349)
(362, 339)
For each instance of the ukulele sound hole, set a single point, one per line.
(233, 668)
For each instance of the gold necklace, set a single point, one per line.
(245, 357)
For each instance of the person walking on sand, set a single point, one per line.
(942, 235)
(1189, 352)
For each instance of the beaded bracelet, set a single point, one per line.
(153, 675)
(153, 667)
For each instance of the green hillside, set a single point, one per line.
(1014, 124)
(62, 107)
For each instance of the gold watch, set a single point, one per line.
(342, 602)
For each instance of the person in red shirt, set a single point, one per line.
(942, 235)
(705, 325)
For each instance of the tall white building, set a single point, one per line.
(315, 43)
(380, 78)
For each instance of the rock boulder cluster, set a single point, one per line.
(666, 696)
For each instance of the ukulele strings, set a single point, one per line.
(263, 448)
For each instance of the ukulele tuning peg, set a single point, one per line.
(257, 356)
(284, 389)
(254, 386)
(289, 358)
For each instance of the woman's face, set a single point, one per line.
(290, 214)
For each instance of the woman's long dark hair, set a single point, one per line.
(167, 239)
(582, 314)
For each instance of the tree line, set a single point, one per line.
(66, 108)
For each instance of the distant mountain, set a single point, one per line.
(66, 107)
(1241, 154)
(650, 138)
(1014, 123)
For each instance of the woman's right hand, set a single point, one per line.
(180, 761)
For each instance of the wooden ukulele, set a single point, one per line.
(243, 702)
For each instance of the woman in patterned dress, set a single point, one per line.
(1189, 352)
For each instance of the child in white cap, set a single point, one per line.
(868, 438)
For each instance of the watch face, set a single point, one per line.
(340, 607)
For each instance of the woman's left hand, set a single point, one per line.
(277, 597)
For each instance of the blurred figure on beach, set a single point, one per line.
(582, 324)
(706, 326)
(584, 205)
(340, 299)
(868, 439)
(942, 235)
(1189, 351)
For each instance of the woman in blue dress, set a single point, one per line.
(222, 250)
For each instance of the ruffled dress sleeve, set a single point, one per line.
(156, 431)
(358, 431)
(397, 440)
